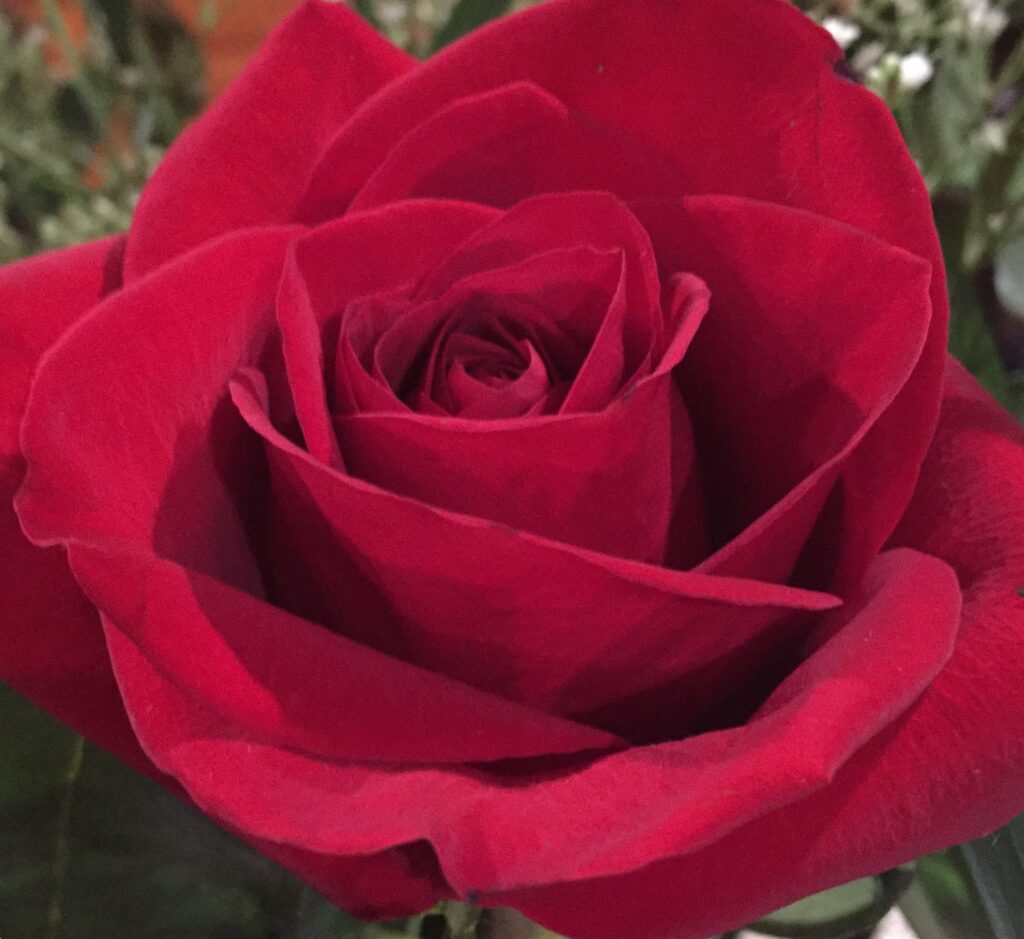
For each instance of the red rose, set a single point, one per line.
(534, 475)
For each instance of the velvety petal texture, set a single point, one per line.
(786, 129)
(51, 642)
(514, 476)
(567, 650)
(944, 774)
(489, 837)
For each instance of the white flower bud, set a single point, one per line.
(843, 32)
(915, 71)
(992, 135)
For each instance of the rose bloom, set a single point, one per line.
(534, 476)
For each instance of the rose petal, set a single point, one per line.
(608, 482)
(680, 97)
(796, 361)
(496, 148)
(394, 884)
(595, 220)
(575, 477)
(477, 123)
(946, 773)
(51, 644)
(610, 816)
(270, 677)
(476, 398)
(561, 298)
(134, 449)
(430, 578)
(245, 162)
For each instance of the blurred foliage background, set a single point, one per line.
(91, 94)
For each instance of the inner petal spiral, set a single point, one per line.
(526, 380)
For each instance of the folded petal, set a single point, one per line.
(270, 677)
(51, 645)
(246, 160)
(471, 599)
(339, 262)
(609, 481)
(496, 148)
(556, 300)
(594, 220)
(797, 360)
(611, 815)
(135, 449)
(393, 884)
(949, 771)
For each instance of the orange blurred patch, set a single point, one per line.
(30, 12)
(239, 29)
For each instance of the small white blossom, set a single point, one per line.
(915, 71)
(982, 18)
(992, 135)
(843, 31)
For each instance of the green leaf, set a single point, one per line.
(841, 913)
(90, 849)
(943, 902)
(468, 15)
(996, 864)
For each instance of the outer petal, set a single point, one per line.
(266, 676)
(690, 80)
(949, 771)
(245, 162)
(51, 645)
(496, 148)
(138, 450)
(614, 814)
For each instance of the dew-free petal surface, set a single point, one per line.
(144, 451)
(537, 621)
(267, 676)
(339, 262)
(51, 643)
(948, 771)
(798, 358)
(607, 816)
(784, 128)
